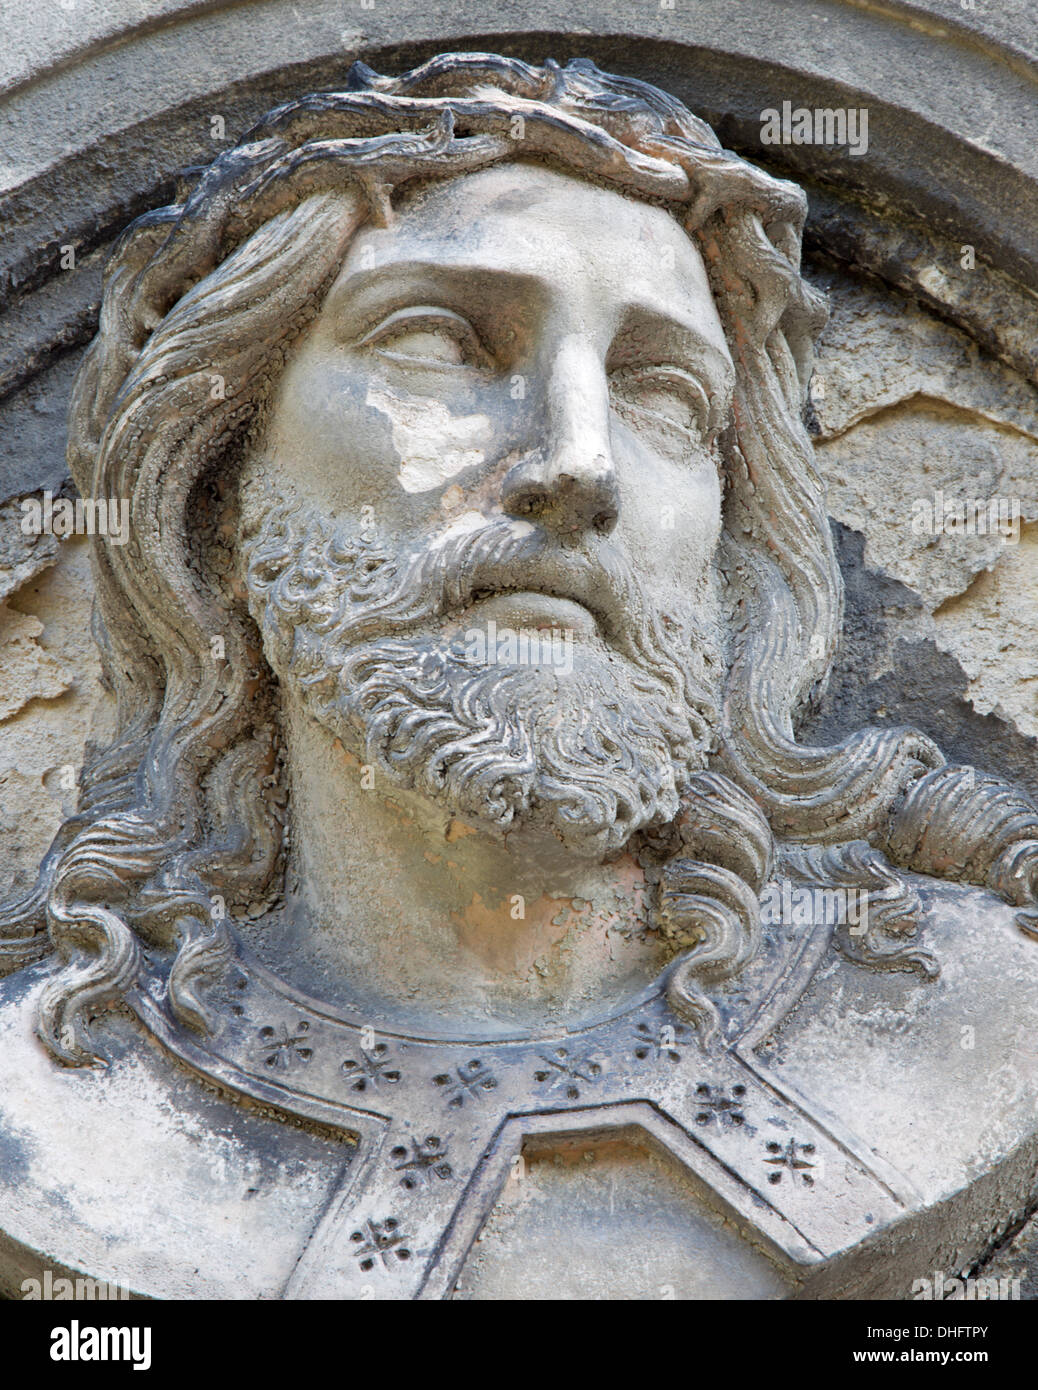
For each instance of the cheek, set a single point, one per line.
(432, 444)
(671, 516)
(324, 440)
(348, 441)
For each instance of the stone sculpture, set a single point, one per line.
(478, 578)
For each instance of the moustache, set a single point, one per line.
(461, 566)
(334, 585)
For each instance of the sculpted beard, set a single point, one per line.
(374, 640)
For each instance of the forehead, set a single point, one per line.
(522, 210)
(531, 225)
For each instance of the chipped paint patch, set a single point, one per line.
(432, 444)
(27, 671)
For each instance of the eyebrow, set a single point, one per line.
(414, 275)
(405, 276)
(690, 340)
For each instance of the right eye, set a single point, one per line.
(425, 336)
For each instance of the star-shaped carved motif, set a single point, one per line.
(563, 1072)
(465, 1082)
(791, 1158)
(426, 1158)
(371, 1069)
(282, 1048)
(380, 1240)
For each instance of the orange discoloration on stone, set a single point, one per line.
(347, 757)
(505, 945)
(541, 939)
(453, 499)
(400, 812)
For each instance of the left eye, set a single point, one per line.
(665, 396)
(425, 336)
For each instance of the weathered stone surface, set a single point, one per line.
(908, 408)
(174, 1189)
(51, 701)
(990, 631)
(1016, 1260)
(660, 1241)
(24, 556)
(382, 935)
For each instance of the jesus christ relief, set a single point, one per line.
(484, 349)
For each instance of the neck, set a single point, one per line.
(400, 912)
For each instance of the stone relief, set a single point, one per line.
(452, 816)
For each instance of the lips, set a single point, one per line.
(533, 609)
(550, 590)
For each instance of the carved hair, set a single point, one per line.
(187, 804)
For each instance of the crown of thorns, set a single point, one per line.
(457, 113)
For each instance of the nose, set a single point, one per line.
(570, 484)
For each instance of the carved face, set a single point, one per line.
(506, 411)
(518, 341)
